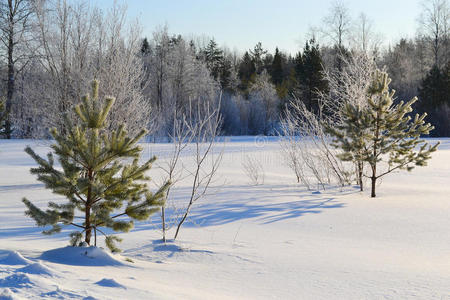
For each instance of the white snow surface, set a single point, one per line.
(271, 241)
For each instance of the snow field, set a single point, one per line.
(271, 241)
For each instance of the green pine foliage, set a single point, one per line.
(383, 132)
(99, 174)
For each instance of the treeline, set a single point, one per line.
(52, 50)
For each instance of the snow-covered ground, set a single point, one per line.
(271, 241)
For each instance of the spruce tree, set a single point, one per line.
(246, 72)
(277, 67)
(383, 132)
(145, 47)
(309, 72)
(214, 58)
(433, 89)
(257, 55)
(225, 70)
(218, 65)
(434, 96)
(99, 175)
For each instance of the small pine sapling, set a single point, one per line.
(383, 132)
(100, 176)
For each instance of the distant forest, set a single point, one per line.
(51, 51)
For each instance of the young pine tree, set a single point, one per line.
(383, 132)
(99, 175)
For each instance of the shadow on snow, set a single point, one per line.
(237, 203)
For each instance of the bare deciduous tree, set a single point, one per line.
(180, 138)
(15, 28)
(203, 123)
(435, 27)
(79, 43)
(176, 77)
(364, 38)
(264, 102)
(306, 147)
(337, 24)
(121, 70)
(349, 84)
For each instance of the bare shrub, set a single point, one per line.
(306, 148)
(254, 170)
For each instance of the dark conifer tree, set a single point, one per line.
(435, 99)
(145, 48)
(298, 65)
(267, 62)
(258, 53)
(433, 91)
(213, 56)
(277, 68)
(309, 70)
(246, 72)
(219, 67)
(225, 74)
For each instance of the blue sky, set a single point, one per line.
(241, 24)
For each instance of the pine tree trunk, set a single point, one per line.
(88, 234)
(360, 175)
(374, 181)
(163, 218)
(374, 162)
(87, 224)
